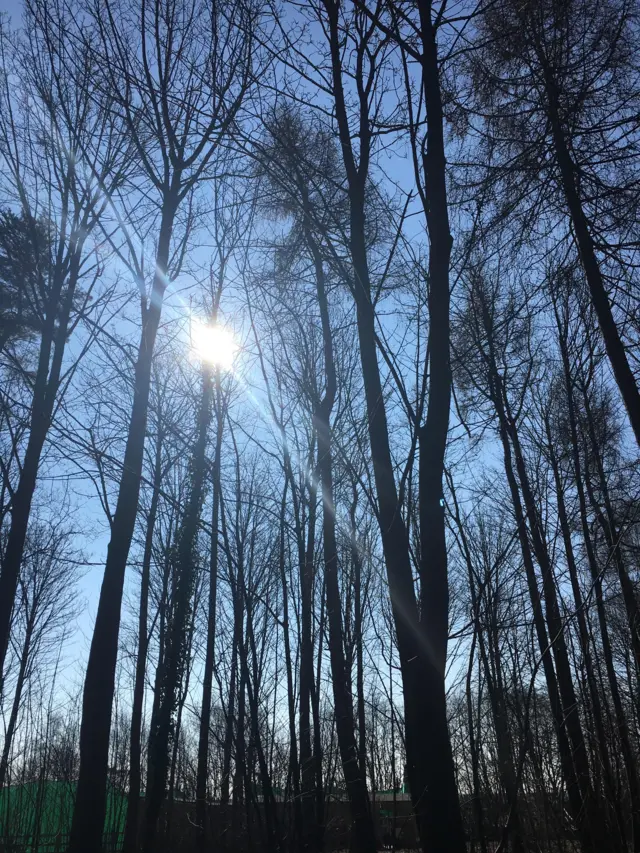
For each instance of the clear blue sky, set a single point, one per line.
(13, 8)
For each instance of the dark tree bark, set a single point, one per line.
(318, 752)
(174, 656)
(442, 823)
(612, 677)
(585, 809)
(209, 661)
(294, 767)
(614, 346)
(57, 312)
(557, 633)
(90, 808)
(478, 811)
(611, 534)
(574, 792)
(234, 690)
(174, 153)
(584, 638)
(249, 685)
(359, 606)
(492, 663)
(421, 644)
(310, 775)
(363, 838)
(183, 692)
(135, 748)
(17, 697)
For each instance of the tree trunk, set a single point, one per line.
(135, 750)
(317, 731)
(207, 679)
(513, 828)
(613, 343)
(475, 759)
(442, 823)
(17, 696)
(311, 817)
(593, 817)
(247, 642)
(46, 384)
(574, 791)
(90, 806)
(620, 716)
(294, 767)
(607, 522)
(182, 698)
(225, 782)
(363, 833)
(430, 761)
(174, 657)
(358, 605)
(583, 636)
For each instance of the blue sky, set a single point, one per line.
(12, 8)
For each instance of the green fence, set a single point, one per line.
(36, 818)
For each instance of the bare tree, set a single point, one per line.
(47, 608)
(179, 99)
(61, 206)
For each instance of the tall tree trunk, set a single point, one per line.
(474, 750)
(17, 696)
(358, 605)
(243, 606)
(272, 823)
(574, 791)
(620, 716)
(207, 678)
(586, 809)
(135, 750)
(421, 646)
(513, 830)
(45, 390)
(363, 833)
(164, 609)
(175, 746)
(312, 835)
(90, 806)
(227, 747)
(608, 524)
(317, 730)
(174, 658)
(294, 767)
(442, 823)
(232, 787)
(583, 636)
(495, 688)
(613, 343)
(240, 749)
(593, 808)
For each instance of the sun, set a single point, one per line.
(213, 344)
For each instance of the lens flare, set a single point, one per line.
(213, 344)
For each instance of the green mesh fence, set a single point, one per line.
(36, 818)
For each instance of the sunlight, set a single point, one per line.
(213, 344)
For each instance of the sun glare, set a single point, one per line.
(213, 344)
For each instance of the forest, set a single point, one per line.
(319, 426)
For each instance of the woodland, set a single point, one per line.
(320, 426)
